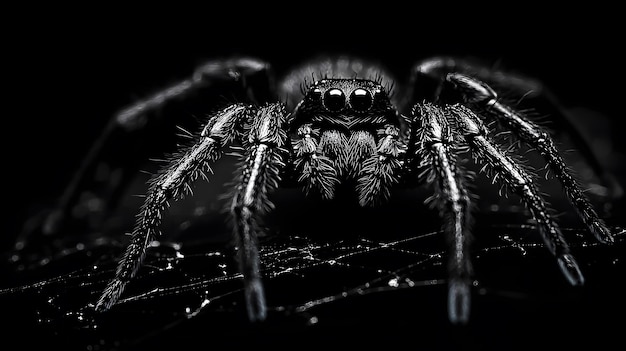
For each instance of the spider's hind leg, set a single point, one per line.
(139, 127)
(430, 81)
(510, 172)
(478, 93)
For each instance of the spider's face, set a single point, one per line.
(346, 102)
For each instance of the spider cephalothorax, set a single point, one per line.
(344, 129)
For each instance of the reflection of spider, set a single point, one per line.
(346, 129)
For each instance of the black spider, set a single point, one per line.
(344, 127)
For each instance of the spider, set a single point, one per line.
(341, 123)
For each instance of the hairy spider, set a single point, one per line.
(339, 125)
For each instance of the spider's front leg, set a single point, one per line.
(435, 149)
(171, 183)
(258, 176)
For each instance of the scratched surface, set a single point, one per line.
(332, 273)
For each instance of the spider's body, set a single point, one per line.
(345, 128)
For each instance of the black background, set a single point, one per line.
(68, 72)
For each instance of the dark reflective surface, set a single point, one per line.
(354, 290)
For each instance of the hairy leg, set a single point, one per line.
(480, 94)
(440, 169)
(429, 81)
(258, 177)
(254, 76)
(171, 183)
(506, 169)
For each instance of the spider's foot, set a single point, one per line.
(570, 269)
(255, 301)
(601, 231)
(458, 301)
(110, 295)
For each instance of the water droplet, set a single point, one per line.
(184, 225)
(95, 204)
(200, 211)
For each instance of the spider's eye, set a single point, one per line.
(360, 100)
(315, 94)
(334, 100)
